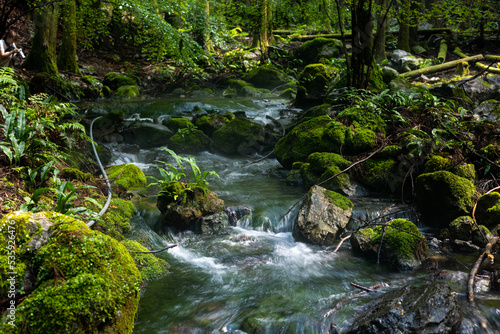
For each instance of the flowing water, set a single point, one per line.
(255, 275)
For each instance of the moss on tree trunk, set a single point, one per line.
(67, 56)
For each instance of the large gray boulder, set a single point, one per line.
(431, 308)
(322, 217)
(404, 61)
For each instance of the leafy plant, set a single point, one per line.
(178, 173)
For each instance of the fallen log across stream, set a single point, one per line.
(441, 67)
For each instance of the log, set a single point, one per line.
(441, 67)
(475, 268)
(443, 48)
(479, 65)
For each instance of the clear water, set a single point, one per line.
(257, 270)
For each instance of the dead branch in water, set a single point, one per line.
(341, 242)
(259, 160)
(475, 268)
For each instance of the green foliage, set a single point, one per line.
(178, 173)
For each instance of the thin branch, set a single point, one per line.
(341, 242)
(259, 160)
(475, 268)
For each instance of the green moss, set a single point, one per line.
(391, 151)
(359, 140)
(175, 124)
(312, 51)
(85, 280)
(323, 109)
(193, 142)
(362, 118)
(115, 80)
(320, 134)
(402, 238)
(150, 266)
(436, 163)
(377, 172)
(172, 192)
(341, 201)
(116, 221)
(230, 136)
(443, 196)
(488, 209)
(266, 76)
(320, 161)
(467, 171)
(127, 177)
(461, 228)
(211, 123)
(76, 174)
(127, 92)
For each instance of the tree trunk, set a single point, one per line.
(42, 57)
(362, 32)
(382, 24)
(262, 32)
(404, 28)
(67, 55)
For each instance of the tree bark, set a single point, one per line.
(42, 57)
(67, 55)
(382, 24)
(404, 28)
(262, 25)
(362, 31)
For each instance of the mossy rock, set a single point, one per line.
(211, 123)
(244, 88)
(391, 151)
(312, 51)
(488, 209)
(266, 76)
(115, 80)
(237, 134)
(436, 163)
(194, 141)
(378, 174)
(359, 140)
(467, 171)
(86, 281)
(127, 92)
(150, 266)
(75, 174)
(320, 161)
(313, 84)
(402, 245)
(320, 134)
(443, 196)
(127, 177)
(184, 208)
(461, 228)
(116, 220)
(362, 118)
(316, 111)
(147, 135)
(177, 123)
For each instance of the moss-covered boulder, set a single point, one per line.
(177, 123)
(210, 123)
(240, 136)
(379, 175)
(322, 217)
(127, 177)
(314, 50)
(192, 141)
(461, 228)
(314, 82)
(443, 196)
(127, 92)
(321, 166)
(488, 209)
(467, 171)
(266, 76)
(316, 111)
(402, 244)
(320, 134)
(115, 80)
(116, 220)
(359, 140)
(150, 266)
(147, 135)
(75, 174)
(183, 207)
(436, 163)
(362, 118)
(86, 282)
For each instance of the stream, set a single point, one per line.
(255, 275)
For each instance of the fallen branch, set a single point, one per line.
(341, 242)
(443, 48)
(362, 287)
(441, 67)
(156, 251)
(475, 268)
(479, 65)
(259, 160)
